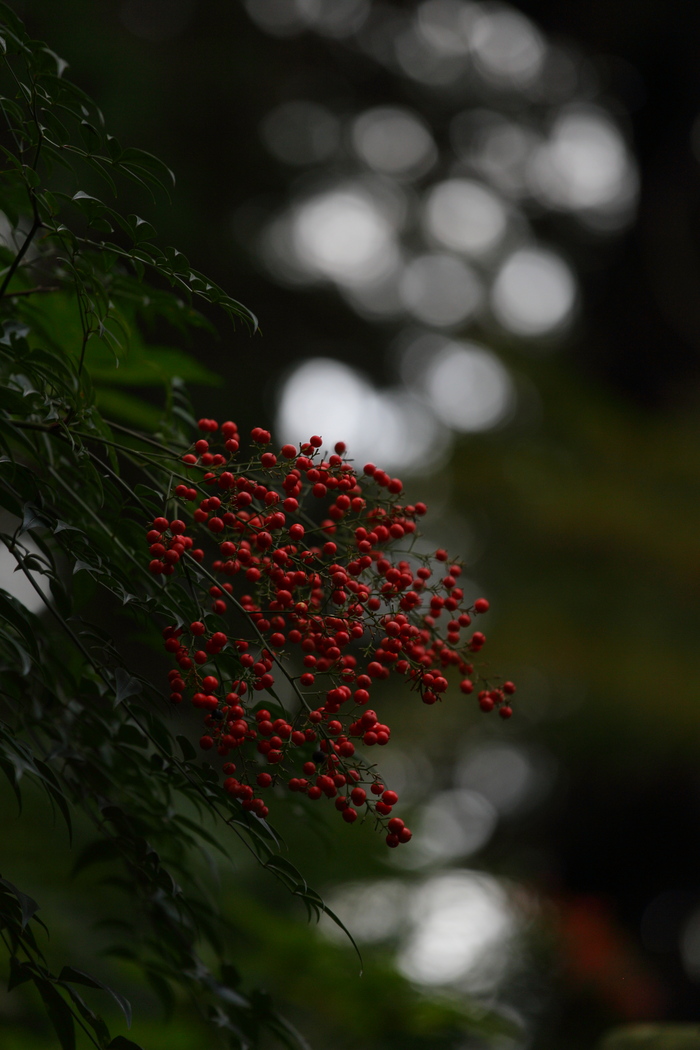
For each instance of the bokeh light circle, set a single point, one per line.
(534, 293)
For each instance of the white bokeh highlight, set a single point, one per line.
(394, 142)
(585, 167)
(446, 26)
(454, 824)
(441, 290)
(323, 396)
(454, 931)
(468, 388)
(508, 49)
(465, 216)
(462, 924)
(344, 235)
(534, 293)
(465, 385)
(510, 777)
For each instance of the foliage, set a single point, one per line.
(652, 1037)
(74, 718)
(80, 284)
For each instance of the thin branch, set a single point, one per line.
(36, 225)
(38, 288)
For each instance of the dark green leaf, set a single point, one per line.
(188, 751)
(126, 685)
(59, 1013)
(19, 973)
(15, 613)
(96, 852)
(31, 519)
(69, 973)
(11, 774)
(27, 904)
(94, 1020)
(129, 734)
(55, 792)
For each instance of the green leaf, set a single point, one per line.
(31, 519)
(59, 1013)
(331, 915)
(188, 751)
(55, 792)
(150, 366)
(128, 409)
(28, 905)
(129, 734)
(147, 165)
(13, 612)
(94, 1020)
(11, 773)
(69, 973)
(121, 1043)
(126, 685)
(19, 973)
(97, 852)
(287, 1033)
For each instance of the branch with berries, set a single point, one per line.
(307, 573)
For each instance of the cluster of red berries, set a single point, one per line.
(330, 607)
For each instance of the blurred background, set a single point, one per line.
(471, 235)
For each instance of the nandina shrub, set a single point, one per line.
(324, 609)
(288, 585)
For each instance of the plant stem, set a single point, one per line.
(19, 256)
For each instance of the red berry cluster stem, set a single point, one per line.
(334, 605)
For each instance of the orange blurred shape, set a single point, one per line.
(599, 953)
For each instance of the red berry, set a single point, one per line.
(481, 605)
